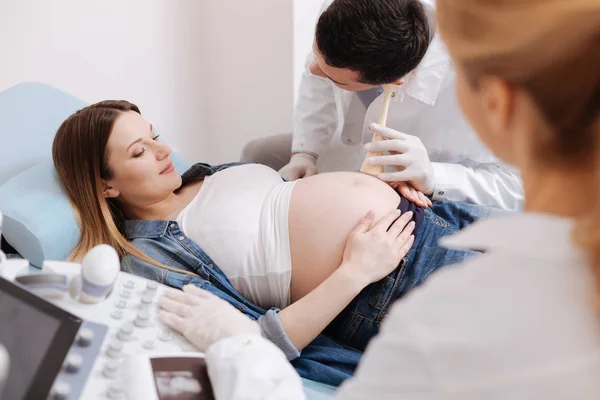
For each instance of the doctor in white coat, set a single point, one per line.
(359, 45)
(520, 321)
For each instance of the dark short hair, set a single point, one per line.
(382, 40)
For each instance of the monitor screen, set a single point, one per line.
(37, 336)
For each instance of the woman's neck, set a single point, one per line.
(561, 193)
(168, 208)
(165, 209)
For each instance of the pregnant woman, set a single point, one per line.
(289, 246)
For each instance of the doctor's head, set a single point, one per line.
(111, 164)
(360, 44)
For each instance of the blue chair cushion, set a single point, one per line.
(317, 391)
(38, 219)
(30, 114)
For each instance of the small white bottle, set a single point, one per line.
(99, 270)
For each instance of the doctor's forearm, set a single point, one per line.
(485, 184)
(305, 319)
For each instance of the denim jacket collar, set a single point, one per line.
(145, 229)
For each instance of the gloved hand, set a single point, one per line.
(202, 317)
(408, 154)
(301, 165)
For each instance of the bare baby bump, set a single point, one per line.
(323, 211)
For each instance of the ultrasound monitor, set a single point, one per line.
(38, 337)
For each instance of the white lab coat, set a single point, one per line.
(518, 322)
(334, 124)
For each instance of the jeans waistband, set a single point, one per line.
(418, 212)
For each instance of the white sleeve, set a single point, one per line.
(315, 115)
(486, 184)
(251, 367)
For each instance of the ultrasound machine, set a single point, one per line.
(56, 354)
(52, 346)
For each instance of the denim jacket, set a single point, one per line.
(323, 360)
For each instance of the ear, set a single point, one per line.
(316, 70)
(399, 82)
(498, 102)
(109, 191)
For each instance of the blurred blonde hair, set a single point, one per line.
(550, 49)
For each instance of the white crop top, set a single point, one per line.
(240, 219)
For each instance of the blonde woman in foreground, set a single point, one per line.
(521, 321)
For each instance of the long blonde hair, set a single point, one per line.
(79, 155)
(550, 49)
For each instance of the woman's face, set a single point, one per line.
(141, 170)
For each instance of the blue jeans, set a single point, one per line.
(361, 319)
(327, 361)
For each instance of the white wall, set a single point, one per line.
(249, 71)
(306, 13)
(209, 74)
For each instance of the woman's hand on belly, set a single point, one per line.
(324, 209)
(374, 250)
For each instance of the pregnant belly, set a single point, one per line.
(323, 211)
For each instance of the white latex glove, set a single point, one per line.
(301, 165)
(408, 154)
(202, 317)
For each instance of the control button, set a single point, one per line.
(149, 345)
(142, 319)
(115, 349)
(165, 334)
(73, 363)
(147, 299)
(122, 304)
(151, 286)
(85, 337)
(117, 314)
(116, 390)
(111, 369)
(126, 294)
(129, 284)
(126, 331)
(60, 391)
